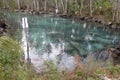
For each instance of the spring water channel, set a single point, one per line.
(58, 39)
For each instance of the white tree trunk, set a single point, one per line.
(63, 5)
(81, 6)
(45, 6)
(34, 5)
(91, 10)
(37, 5)
(66, 5)
(56, 4)
(18, 4)
(116, 10)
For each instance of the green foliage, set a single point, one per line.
(103, 7)
(24, 73)
(52, 73)
(0, 3)
(114, 71)
(99, 7)
(75, 7)
(1, 15)
(11, 65)
(10, 53)
(12, 4)
(91, 78)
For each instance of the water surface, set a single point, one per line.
(51, 36)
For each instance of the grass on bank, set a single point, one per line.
(12, 67)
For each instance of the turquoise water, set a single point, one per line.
(74, 36)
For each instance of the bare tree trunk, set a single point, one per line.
(66, 6)
(41, 4)
(119, 15)
(81, 8)
(63, 5)
(37, 5)
(18, 4)
(28, 4)
(91, 10)
(5, 4)
(56, 4)
(45, 6)
(117, 5)
(34, 5)
(116, 10)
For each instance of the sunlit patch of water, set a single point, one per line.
(61, 60)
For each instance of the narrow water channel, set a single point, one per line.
(58, 39)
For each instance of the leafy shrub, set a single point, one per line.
(10, 53)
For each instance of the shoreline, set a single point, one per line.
(108, 24)
(93, 19)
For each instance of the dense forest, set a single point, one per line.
(109, 9)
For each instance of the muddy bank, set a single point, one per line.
(3, 27)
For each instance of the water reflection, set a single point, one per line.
(88, 37)
(57, 39)
(84, 25)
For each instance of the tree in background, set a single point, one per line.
(18, 4)
(108, 8)
(81, 7)
(91, 7)
(116, 11)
